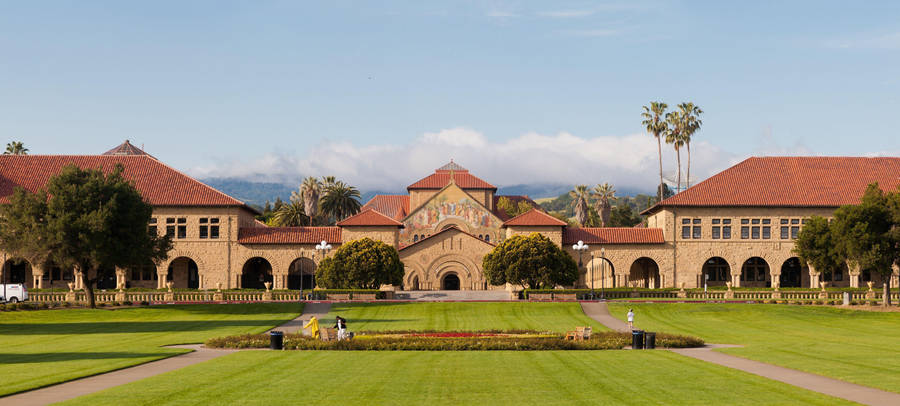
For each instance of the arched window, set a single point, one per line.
(487, 238)
(416, 238)
(480, 237)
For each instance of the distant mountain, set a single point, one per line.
(258, 193)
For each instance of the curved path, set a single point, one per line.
(83, 386)
(832, 387)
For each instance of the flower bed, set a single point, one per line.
(453, 341)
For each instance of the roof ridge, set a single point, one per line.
(539, 212)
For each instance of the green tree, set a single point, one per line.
(340, 201)
(15, 148)
(689, 114)
(654, 120)
(83, 219)
(361, 264)
(675, 136)
(581, 197)
(531, 261)
(511, 208)
(623, 216)
(867, 233)
(604, 193)
(817, 246)
(290, 215)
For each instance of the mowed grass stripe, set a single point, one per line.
(450, 378)
(851, 345)
(40, 348)
(558, 317)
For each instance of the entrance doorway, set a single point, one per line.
(450, 282)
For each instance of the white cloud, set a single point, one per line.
(565, 13)
(873, 41)
(628, 161)
(501, 14)
(600, 32)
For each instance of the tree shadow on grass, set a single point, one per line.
(8, 359)
(124, 327)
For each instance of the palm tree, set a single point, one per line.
(582, 195)
(690, 123)
(309, 193)
(604, 193)
(16, 148)
(655, 123)
(674, 136)
(289, 215)
(340, 201)
(328, 181)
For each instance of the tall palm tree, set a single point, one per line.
(674, 136)
(309, 193)
(604, 194)
(690, 123)
(328, 181)
(655, 123)
(16, 148)
(290, 215)
(582, 195)
(340, 201)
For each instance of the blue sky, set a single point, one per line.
(380, 93)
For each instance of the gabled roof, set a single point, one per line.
(534, 217)
(448, 229)
(126, 148)
(790, 182)
(369, 217)
(613, 235)
(289, 235)
(159, 184)
(393, 206)
(441, 177)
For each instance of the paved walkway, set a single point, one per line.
(85, 386)
(832, 387)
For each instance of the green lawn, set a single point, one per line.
(560, 317)
(453, 378)
(38, 348)
(851, 345)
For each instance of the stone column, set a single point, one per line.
(161, 279)
(736, 279)
(776, 279)
(813, 277)
(37, 275)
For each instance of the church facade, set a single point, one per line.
(737, 226)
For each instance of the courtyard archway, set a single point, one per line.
(644, 273)
(184, 273)
(302, 274)
(792, 273)
(715, 272)
(755, 273)
(450, 282)
(17, 270)
(255, 273)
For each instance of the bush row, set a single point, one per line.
(58, 305)
(598, 341)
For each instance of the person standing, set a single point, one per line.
(341, 325)
(630, 317)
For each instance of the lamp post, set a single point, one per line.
(592, 276)
(322, 248)
(602, 272)
(581, 247)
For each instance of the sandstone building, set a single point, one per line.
(736, 226)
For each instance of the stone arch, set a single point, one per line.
(461, 224)
(469, 273)
(623, 260)
(18, 270)
(791, 274)
(644, 273)
(302, 273)
(604, 273)
(755, 272)
(184, 273)
(719, 271)
(414, 275)
(255, 272)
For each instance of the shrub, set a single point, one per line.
(44, 306)
(101, 304)
(67, 304)
(145, 303)
(127, 303)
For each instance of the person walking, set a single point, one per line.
(630, 317)
(313, 326)
(341, 325)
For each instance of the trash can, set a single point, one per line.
(649, 340)
(637, 339)
(276, 340)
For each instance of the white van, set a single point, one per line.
(13, 293)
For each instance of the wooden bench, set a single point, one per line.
(564, 296)
(580, 334)
(363, 296)
(327, 334)
(337, 296)
(540, 296)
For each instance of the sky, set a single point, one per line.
(381, 93)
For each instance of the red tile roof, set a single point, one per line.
(515, 199)
(393, 206)
(441, 177)
(452, 227)
(790, 182)
(369, 217)
(534, 217)
(613, 235)
(158, 183)
(126, 148)
(289, 235)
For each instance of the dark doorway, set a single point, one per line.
(451, 282)
(791, 273)
(256, 272)
(415, 283)
(302, 273)
(107, 279)
(184, 273)
(17, 271)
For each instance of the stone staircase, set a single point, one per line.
(452, 295)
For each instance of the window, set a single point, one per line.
(152, 228)
(755, 233)
(487, 238)
(726, 232)
(204, 227)
(170, 226)
(716, 233)
(795, 221)
(416, 238)
(697, 232)
(754, 221)
(795, 232)
(696, 221)
(214, 227)
(784, 232)
(685, 221)
(745, 232)
(784, 221)
(135, 274)
(716, 221)
(182, 227)
(686, 232)
(766, 233)
(745, 221)
(767, 221)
